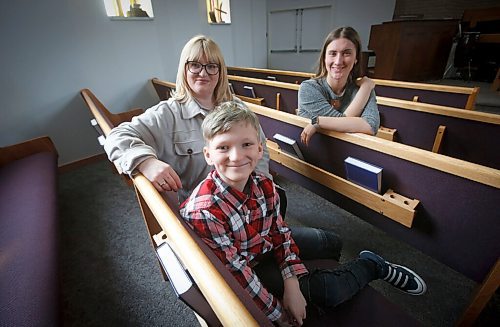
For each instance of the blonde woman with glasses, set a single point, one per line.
(165, 143)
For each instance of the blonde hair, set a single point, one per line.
(198, 47)
(225, 116)
(341, 33)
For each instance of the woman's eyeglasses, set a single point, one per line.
(196, 67)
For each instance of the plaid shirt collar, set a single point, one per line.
(237, 198)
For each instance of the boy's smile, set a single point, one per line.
(235, 154)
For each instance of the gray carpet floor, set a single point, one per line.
(110, 275)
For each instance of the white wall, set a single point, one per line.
(51, 49)
(359, 14)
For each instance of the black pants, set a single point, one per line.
(324, 288)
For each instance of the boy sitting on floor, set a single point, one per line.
(236, 212)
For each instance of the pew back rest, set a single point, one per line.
(446, 95)
(232, 304)
(450, 192)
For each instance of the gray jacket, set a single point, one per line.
(171, 132)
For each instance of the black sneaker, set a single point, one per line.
(398, 276)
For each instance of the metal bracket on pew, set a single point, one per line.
(391, 204)
(386, 133)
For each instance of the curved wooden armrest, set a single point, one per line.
(24, 149)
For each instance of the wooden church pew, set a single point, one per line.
(222, 300)
(484, 184)
(456, 220)
(452, 172)
(444, 95)
(468, 135)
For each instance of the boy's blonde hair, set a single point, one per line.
(198, 47)
(225, 116)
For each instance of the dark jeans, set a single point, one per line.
(324, 288)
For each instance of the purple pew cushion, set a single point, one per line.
(28, 242)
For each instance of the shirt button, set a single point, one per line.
(190, 151)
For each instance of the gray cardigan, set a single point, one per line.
(315, 97)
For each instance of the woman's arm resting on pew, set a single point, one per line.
(357, 105)
(160, 174)
(338, 124)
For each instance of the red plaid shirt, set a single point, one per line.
(239, 227)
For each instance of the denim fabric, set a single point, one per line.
(324, 288)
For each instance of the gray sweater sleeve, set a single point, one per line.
(370, 113)
(314, 101)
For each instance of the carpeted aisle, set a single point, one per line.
(110, 275)
(109, 272)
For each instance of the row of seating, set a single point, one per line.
(468, 135)
(457, 198)
(218, 299)
(445, 95)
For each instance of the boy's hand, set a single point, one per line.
(160, 174)
(294, 302)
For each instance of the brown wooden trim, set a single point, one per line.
(425, 86)
(481, 297)
(440, 110)
(438, 139)
(478, 173)
(386, 133)
(471, 101)
(23, 149)
(391, 205)
(81, 163)
(273, 71)
(225, 303)
(258, 101)
(155, 80)
(402, 84)
(259, 81)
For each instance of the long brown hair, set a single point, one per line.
(345, 32)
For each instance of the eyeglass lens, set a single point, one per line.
(196, 67)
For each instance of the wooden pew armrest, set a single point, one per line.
(26, 148)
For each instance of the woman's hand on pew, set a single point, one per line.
(160, 174)
(307, 133)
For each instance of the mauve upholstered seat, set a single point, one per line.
(29, 290)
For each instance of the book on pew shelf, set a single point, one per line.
(364, 174)
(177, 275)
(231, 88)
(249, 92)
(183, 285)
(272, 78)
(288, 145)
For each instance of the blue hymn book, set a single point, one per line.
(249, 92)
(288, 145)
(364, 174)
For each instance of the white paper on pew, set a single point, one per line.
(174, 269)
